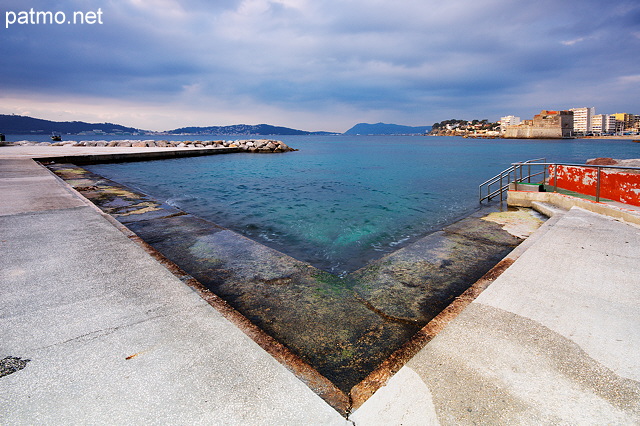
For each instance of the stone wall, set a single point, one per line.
(530, 132)
(546, 125)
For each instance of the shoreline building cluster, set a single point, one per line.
(547, 124)
(574, 122)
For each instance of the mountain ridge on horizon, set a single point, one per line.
(386, 129)
(244, 129)
(21, 124)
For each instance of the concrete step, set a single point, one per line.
(547, 209)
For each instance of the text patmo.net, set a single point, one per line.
(32, 17)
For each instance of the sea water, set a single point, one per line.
(341, 201)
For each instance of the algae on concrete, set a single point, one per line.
(343, 326)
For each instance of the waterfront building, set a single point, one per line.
(596, 123)
(582, 120)
(508, 120)
(626, 121)
(546, 125)
(603, 123)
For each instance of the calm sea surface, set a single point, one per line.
(343, 200)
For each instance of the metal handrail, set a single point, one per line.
(504, 178)
(578, 165)
(516, 174)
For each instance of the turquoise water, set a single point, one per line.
(343, 200)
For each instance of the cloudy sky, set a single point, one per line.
(318, 64)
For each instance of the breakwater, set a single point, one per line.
(246, 145)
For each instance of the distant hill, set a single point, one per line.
(243, 129)
(22, 125)
(386, 129)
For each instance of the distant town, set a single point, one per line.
(549, 124)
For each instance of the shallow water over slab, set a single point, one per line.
(343, 326)
(342, 201)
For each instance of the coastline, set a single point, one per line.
(483, 136)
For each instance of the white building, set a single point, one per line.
(582, 119)
(608, 123)
(603, 123)
(509, 120)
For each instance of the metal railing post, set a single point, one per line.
(555, 178)
(598, 185)
(520, 168)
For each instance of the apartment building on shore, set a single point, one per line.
(582, 120)
(627, 122)
(603, 124)
(575, 122)
(507, 121)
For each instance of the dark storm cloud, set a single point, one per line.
(395, 61)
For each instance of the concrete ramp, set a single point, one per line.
(554, 340)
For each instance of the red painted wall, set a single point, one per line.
(617, 185)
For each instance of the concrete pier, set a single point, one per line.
(94, 330)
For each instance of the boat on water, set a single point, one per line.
(56, 137)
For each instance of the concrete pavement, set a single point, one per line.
(554, 340)
(112, 337)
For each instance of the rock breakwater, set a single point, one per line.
(248, 145)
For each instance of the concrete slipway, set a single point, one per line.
(112, 337)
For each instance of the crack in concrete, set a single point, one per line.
(93, 335)
(384, 315)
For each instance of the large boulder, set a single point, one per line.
(602, 161)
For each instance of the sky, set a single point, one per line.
(316, 65)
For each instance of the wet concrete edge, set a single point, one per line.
(303, 371)
(314, 380)
(379, 377)
(339, 400)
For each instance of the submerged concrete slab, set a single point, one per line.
(344, 327)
